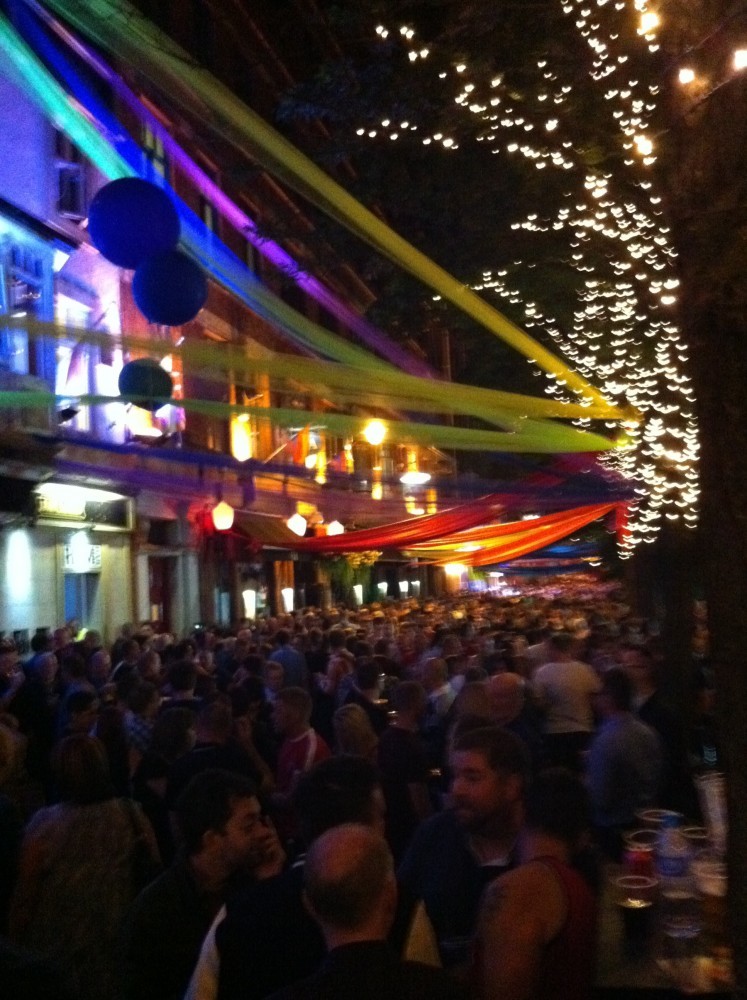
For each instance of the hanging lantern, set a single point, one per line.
(169, 288)
(144, 383)
(297, 524)
(335, 528)
(374, 432)
(131, 219)
(222, 515)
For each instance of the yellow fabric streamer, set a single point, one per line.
(119, 27)
(353, 383)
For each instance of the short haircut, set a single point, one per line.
(182, 675)
(502, 750)
(409, 696)
(141, 696)
(172, 733)
(562, 642)
(556, 803)
(619, 688)
(345, 896)
(80, 700)
(74, 666)
(336, 638)
(436, 670)
(337, 790)
(254, 664)
(250, 692)
(216, 716)
(208, 802)
(282, 637)
(296, 699)
(80, 767)
(367, 673)
(41, 641)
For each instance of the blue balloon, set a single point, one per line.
(131, 219)
(169, 288)
(143, 378)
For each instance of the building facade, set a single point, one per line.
(105, 507)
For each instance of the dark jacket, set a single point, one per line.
(371, 970)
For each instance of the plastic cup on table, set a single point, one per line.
(638, 852)
(711, 789)
(697, 837)
(655, 818)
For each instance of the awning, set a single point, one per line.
(269, 529)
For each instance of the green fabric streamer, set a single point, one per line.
(353, 384)
(531, 436)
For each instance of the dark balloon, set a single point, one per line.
(169, 288)
(131, 219)
(145, 383)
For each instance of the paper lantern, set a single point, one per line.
(130, 220)
(169, 288)
(145, 384)
(222, 515)
(297, 524)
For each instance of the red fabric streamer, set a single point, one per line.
(403, 534)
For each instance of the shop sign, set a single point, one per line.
(81, 558)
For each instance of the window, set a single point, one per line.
(22, 295)
(208, 215)
(155, 152)
(71, 179)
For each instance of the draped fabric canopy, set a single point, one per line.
(504, 542)
(461, 534)
(402, 534)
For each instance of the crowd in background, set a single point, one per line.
(101, 749)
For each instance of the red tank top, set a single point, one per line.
(569, 960)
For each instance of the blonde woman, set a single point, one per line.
(354, 734)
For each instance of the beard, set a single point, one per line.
(496, 822)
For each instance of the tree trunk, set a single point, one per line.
(723, 430)
(702, 168)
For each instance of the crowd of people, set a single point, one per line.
(410, 799)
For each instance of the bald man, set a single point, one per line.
(351, 892)
(510, 709)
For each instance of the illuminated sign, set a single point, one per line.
(79, 556)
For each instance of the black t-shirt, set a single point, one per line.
(402, 761)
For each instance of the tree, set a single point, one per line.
(634, 116)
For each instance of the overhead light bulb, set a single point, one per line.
(69, 493)
(455, 569)
(335, 528)
(649, 21)
(415, 478)
(374, 432)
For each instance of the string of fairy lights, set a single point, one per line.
(623, 336)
